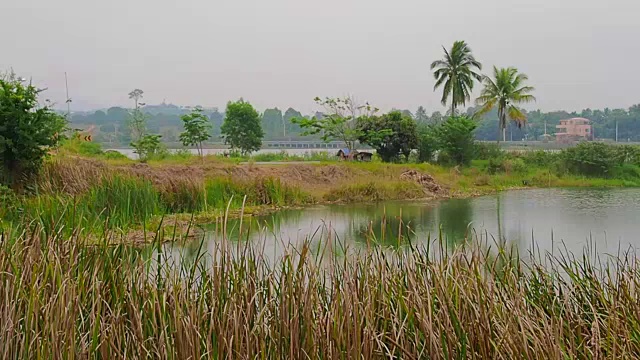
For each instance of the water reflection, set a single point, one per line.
(550, 218)
(455, 218)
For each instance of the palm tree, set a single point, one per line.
(506, 90)
(456, 72)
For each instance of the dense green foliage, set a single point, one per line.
(598, 159)
(148, 147)
(242, 128)
(588, 159)
(456, 140)
(456, 73)
(505, 91)
(392, 135)
(27, 130)
(196, 129)
(427, 143)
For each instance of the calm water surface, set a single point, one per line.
(553, 219)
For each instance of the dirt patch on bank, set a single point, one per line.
(427, 182)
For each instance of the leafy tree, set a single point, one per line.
(147, 147)
(427, 142)
(273, 123)
(216, 119)
(144, 144)
(421, 115)
(456, 139)
(436, 118)
(392, 135)
(338, 122)
(27, 130)
(292, 128)
(136, 95)
(242, 128)
(456, 72)
(196, 129)
(505, 91)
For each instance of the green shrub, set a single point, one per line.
(457, 140)
(627, 154)
(90, 148)
(427, 143)
(149, 147)
(495, 165)
(114, 155)
(486, 151)
(516, 165)
(590, 159)
(540, 158)
(627, 172)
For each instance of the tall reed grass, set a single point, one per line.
(62, 299)
(120, 201)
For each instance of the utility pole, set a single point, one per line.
(616, 130)
(66, 84)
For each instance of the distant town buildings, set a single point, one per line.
(575, 129)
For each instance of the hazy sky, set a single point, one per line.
(577, 53)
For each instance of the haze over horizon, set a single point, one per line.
(578, 54)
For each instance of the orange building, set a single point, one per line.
(574, 130)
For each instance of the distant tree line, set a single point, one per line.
(112, 124)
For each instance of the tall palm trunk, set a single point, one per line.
(453, 102)
(500, 114)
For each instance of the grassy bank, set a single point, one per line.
(62, 299)
(88, 191)
(124, 202)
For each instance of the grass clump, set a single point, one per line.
(122, 202)
(260, 191)
(376, 191)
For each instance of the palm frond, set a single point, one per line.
(456, 72)
(517, 116)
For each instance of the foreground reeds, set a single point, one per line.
(62, 299)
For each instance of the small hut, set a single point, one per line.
(346, 154)
(364, 156)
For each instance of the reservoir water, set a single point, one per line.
(604, 220)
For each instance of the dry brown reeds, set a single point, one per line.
(61, 299)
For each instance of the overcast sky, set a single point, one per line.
(577, 53)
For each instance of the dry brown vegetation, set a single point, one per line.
(76, 175)
(61, 299)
